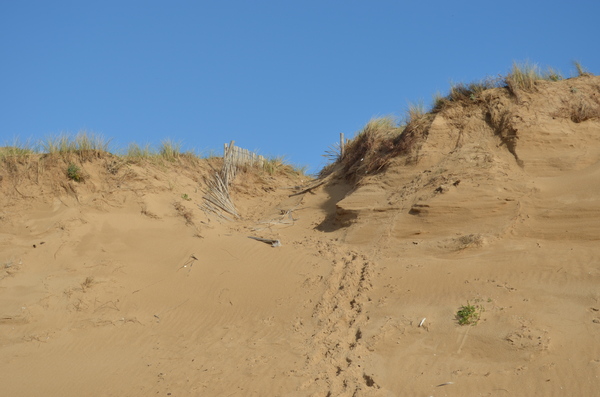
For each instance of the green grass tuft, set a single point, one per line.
(469, 314)
(74, 173)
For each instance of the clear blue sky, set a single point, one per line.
(280, 77)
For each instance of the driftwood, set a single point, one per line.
(308, 189)
(273, 243)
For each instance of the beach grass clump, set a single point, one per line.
(415, 111)
(273, 165)
(369, 150)
(464, 93)
(91, 142)
(416, 118)
(85, 145)
(522, 77)
(380, 140)
(136, 153)
(581, 71)
(552, 75)
(278, 165)
(57, 144)
(170, 150)
(368, 140)
(17, 148)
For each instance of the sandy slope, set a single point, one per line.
(119, 286)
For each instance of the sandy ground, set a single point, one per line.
(127, 288)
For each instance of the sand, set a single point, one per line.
(122, 286)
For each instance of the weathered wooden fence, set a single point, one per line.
(238, 156)
(216, 197)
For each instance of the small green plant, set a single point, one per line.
(74, 173)
(186, 197)
(469, 314)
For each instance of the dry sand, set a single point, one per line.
(119, 286)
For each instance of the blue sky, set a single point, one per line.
(280, 77)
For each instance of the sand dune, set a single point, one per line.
(121, 285)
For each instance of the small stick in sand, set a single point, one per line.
(422, 321)
(445, 384)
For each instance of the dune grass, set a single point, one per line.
(581, 71)
(523, 76)
(370, 150)
(553, 75)
(464, 93)
(367, 151)
(84, 144)
(135, 152)
(170, 150)
(74, 150)
(17, 148)
(383, 138)
(273, 165)
(415, 111)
